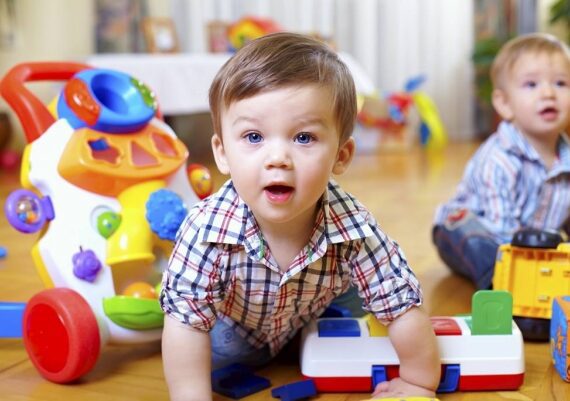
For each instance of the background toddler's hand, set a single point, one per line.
(400, 388)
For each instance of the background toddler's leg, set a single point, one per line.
(468, 249)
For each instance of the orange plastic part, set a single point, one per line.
(81, 102)
(32, 113)
(109, 163)
(200, 179)
(61, 334)
(140, 289)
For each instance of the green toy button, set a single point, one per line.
(492, 312)
(134, 313)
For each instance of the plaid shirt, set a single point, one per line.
(508, 186)
(222, 268)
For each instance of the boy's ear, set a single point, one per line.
(220, 154)
(502, 105)
(344, 156)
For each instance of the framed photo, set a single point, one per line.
(160, 35)
(118, 25)
(218, 41)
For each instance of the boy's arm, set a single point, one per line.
(186, 355)
(414, 340)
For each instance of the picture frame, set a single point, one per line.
(217, 33)
(160, 35)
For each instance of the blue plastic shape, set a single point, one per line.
(122, 105)
(449, 379)
(237, 381)
(378, 375)
(11, 317)
(165, 212)
(339, 328)
(3, 252)
(295, 391)
(334, 310)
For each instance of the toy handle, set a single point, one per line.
(33, 114)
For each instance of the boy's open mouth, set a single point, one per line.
(278, 193)
(549, 113)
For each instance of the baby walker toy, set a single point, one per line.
(106, 186)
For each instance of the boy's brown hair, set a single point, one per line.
(534, 43)
(279, 60)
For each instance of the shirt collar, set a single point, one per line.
(230, 221)
(562, 165)
(513, 141)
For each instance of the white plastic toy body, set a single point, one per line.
(107, 184)
(355, 360)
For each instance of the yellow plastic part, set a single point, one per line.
(403, 399)
(52, 107)
(534, 276)
(25, 169)
(41, 267)
(375, 328)
(134, 240)
(429, 115)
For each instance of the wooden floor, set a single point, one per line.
(401, 188)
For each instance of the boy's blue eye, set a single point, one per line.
(529, 84)
(561, 83)
(253, 137)
(304, 138)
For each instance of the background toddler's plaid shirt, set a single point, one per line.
(222, 268)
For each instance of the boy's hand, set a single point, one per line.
(398, 387)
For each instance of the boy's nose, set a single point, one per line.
(547, 90)
(278, 156)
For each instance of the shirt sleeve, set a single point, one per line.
(191, 282)
(385, 282)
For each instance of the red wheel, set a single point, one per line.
(61, 334)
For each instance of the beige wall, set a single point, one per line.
(42, 31)
(64, 30)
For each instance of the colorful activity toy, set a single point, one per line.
(105, 185)
(483, 351)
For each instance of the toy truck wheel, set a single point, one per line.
(533, 238)
(533, 329)
(61, 334)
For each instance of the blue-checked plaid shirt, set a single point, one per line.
(508, 186)
(222, 268)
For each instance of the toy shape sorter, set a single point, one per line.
(106, 186)
(483, 351)
(559, 336)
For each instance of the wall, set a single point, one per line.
(64, 30)
(392, 40)
(41, 32)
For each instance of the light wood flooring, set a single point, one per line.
(401, 188)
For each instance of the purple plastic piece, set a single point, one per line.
(86, 265)
(27, 212)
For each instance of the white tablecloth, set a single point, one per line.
(181, 81)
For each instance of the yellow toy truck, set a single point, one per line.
(534, 268)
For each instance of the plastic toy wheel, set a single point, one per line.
(533, 238)
(61, 334)
(533, 329)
